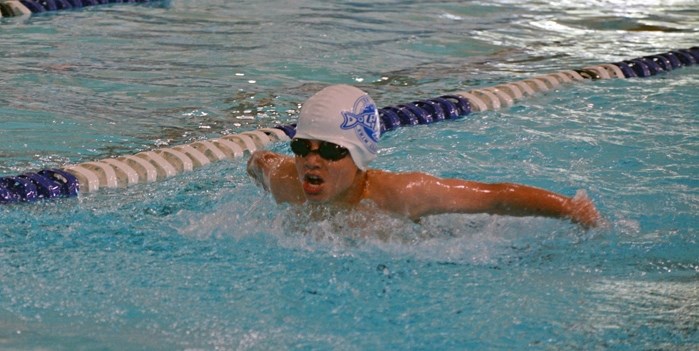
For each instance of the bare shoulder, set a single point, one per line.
(416, 194)
(379, 179)
(398, 192)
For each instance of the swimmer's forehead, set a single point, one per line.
(318, 140)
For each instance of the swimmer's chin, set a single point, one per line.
(316, 198)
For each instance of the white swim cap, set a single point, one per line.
(343, 115)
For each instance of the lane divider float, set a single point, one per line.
(12, 8)
(151, 166)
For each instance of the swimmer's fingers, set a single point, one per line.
(584, 212)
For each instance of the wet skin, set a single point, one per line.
(315, 180)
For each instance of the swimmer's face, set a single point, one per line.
(324, 180)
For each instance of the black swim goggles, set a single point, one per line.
(326, 150)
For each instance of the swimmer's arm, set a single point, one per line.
(276, 173)
(459, 196)
(261, 165)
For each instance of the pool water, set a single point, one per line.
(207, 261)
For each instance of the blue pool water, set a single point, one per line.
(206, 261)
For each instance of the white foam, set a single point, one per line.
(473, 239)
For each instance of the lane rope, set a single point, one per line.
(151, 166)
(13, 8)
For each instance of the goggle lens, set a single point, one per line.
(326, 150)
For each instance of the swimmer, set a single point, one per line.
(336, 139)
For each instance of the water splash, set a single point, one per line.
(474, 239)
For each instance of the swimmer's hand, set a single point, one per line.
(276, 174)
(583, 211)
(260, 164)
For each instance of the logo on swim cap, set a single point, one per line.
(363, 119)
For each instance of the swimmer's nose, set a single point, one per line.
(312, 160)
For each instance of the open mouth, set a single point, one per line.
(313, 179)
(312, 184)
